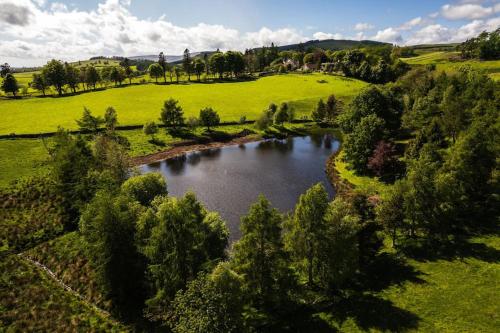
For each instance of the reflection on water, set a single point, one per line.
(229, 179)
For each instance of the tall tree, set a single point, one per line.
(171, 113)
(88, 122)
(9, 84)
(108, 227)
(4, 70)
(305, 231)
(259, 255)
(92, 76)
(162, 61)
(38, 82)
(187, 63)
(72, 76)
(199, 67)
(155, 71)
(55, 75)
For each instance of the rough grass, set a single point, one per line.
(364, 184)
(137, 104)
(449, 62)
(30, 301)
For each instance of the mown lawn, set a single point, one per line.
(140, 103)
(443, 61)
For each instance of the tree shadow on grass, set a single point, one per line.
(458, 248)
(387, 270)
(371, 312)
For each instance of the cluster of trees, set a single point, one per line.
(376, 65)
(64, 75)
(172, 116)
(228, 64)
(485, 46)
(446, 177)
(274, 115)
(327, 113)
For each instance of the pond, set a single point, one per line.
(229, 179)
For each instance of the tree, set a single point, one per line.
(259, 256)
(282, 114)
(178, 72)
(454, 116)
(38, 82)
(333, 108)
(305, 232)
(264, 120)
(209, 117)
(177, 248)
(155, 71)
(91, 76)
(117, 75)
(127, 69)
(199, 67)
(145, 188)
(89, 123)
(211, 303)
(108, 227)
(72, 76)
(110, 119)
(359, 145)
(318, 114)
(383, 159)
(9, 84)
(150, 128)
(390, 213)
(4, 70)
(338, 247)
(162, 61)
(71, 160)
(55, 75)
(187, 63)
(218, 63)
(171, 113)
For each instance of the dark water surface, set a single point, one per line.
(229, 179)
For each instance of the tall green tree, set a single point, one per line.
(55, 75)
(319, 113)
(72, 76)
(38, 82)
(260, 257)
(187, 63)
(110, 119)
(155, 71)
(172, 114)
(9, 84)
(92, 76)
(88, 122)
(198, 67)
(218, 63)
(305, 232)
(108, 227)
(162, 61)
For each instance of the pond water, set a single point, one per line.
(229, 179)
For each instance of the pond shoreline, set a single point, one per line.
(188, 146)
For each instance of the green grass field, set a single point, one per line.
(445, 61)
(137, 104)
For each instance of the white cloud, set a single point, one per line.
(325, 35)
(389, 35)
(468, 11)
(32, 34)
(434, 33)
(360, 36)
(363, 26)
(411, 23)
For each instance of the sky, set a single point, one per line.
(35, 31)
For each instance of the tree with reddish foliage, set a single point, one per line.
(383, 159)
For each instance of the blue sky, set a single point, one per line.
(34, 31)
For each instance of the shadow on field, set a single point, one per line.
(371, 312)
(458, 248)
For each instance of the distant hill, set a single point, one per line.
(333, 44)
(435, 47)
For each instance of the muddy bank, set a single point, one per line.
(341, 185)
(189, 146)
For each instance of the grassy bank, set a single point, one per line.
(138, 104)
(447, 61)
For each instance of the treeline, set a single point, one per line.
(446, 176)
(486, 46)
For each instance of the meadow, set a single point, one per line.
(449, 62)
(138, 104)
